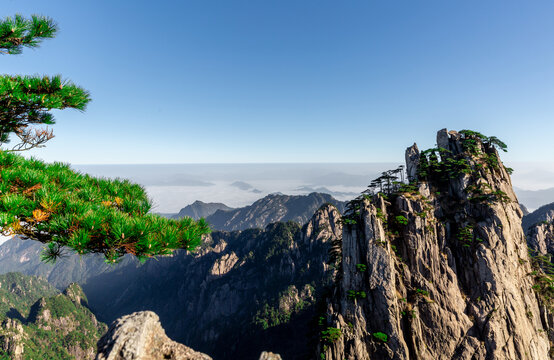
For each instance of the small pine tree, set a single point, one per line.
(52, 203)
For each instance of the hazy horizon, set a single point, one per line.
(173, 186)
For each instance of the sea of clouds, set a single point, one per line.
(173, 186)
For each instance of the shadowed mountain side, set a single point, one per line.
(23, 256)
(247, 292)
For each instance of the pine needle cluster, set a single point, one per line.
(26, 100)
(18, 32)
(53, 204)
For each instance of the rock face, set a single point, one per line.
(140, 336)
(540, 238)
(438, 270)
(200, 209)
(270, 356)
(412, 162)
(270, 209)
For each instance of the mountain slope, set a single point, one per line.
(440, 269)
(37, 322)
(23, 256)
(270, 209)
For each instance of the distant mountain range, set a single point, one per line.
(270, 209)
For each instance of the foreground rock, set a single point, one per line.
(438, 270)
(140, 336)
(270, 356)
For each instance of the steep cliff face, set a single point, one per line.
(541, 238)
(437, 269)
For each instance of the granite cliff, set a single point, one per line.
(438, 269)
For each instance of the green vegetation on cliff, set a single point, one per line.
(40, 323)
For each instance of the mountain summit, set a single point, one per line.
(438, 269)
(199, 209)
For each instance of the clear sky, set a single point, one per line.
(293, 80)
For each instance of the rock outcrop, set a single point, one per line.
(140, 336)
(270, 356)
(540, 238)
(437, 269)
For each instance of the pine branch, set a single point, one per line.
(18, 32)
(26, 100)
(62, 208)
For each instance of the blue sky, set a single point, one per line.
(293, 81)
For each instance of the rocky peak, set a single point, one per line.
(200, 209)
(140, 336)
(412, 162)
(76, 294)
(437, 269)
(325, 224)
